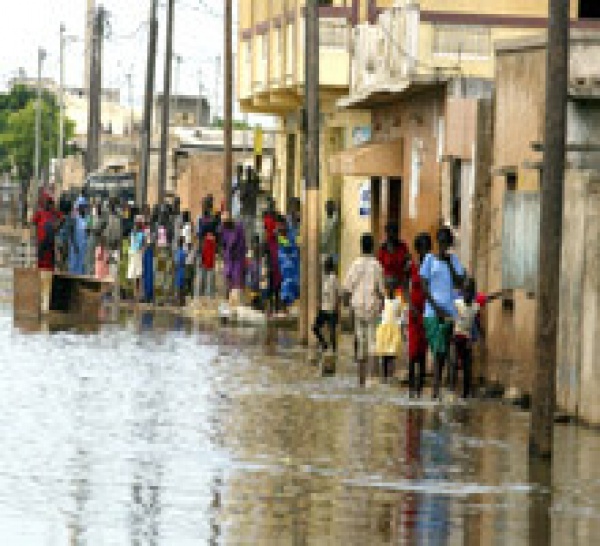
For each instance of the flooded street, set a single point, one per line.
(157, 432)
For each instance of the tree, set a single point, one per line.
(17, 130)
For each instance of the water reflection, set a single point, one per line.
(157, 431)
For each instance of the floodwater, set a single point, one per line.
(152, 431)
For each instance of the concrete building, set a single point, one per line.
(423, 72)
(270, 76)
(185, 111)
(514, 220)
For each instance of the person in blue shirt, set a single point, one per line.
(441, 274)
(78, 239)
(180, 260)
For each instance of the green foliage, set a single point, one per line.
(17, 130)
(218, 123)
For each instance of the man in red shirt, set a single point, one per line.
(46, 220)
(208, 258)
(394, 256)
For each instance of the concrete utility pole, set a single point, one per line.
(199, 108)
(61, 118)
(311, 262)
(551, 222)
(129, 78)
(38, 127)
(146, 133)
(95, 94)
(228, 107)
(166, 105)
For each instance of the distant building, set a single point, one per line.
(186, 111)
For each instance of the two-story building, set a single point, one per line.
(424, 71)
(271, 81)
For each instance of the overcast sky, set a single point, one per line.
(27, 24)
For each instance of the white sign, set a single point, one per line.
(364, 200)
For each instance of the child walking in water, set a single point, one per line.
(388, 338)
(328, 315)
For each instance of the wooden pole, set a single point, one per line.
(228, 107)
(311, 293)
(166, 106)
(146, 136)
(551, 221)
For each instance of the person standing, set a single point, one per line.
(94, 230)
(441, 274)
(113, 233)
(46, 221)
(364, 285)
(208, 258)
(329, 312)
(417, 340)
(78, 239)
(289, 265)
(136, 249)
(331, 233)
(393, 256)
(389, 341)
(233, 241)
(148, 268)
(179, 263)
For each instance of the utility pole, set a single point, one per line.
(166, 110)
(38, 128)
(129, 78)
(178, 61)
(199, 108)
(551, 225)
(228, 107)
(95, 93)
(311, 263)
(146, 133)
(61, 106)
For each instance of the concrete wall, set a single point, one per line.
(578, 373)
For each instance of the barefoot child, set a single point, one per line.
(388, 338)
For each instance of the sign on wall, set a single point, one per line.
(361, 135)
(364, 200)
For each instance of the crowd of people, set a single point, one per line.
(417, 306)
(402, 304)
(162, 255)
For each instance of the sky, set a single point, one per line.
(26, 25)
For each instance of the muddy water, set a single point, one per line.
(155, 432)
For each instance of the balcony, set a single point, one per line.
(385, 55)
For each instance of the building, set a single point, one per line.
(514, 220)
(270, 74)
(424, 72)
(185, 111)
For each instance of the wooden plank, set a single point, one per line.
(27, 294)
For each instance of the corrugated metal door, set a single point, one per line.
(520, 240)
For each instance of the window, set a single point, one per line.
(589, 9)
(333, 32)
(466, 41)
